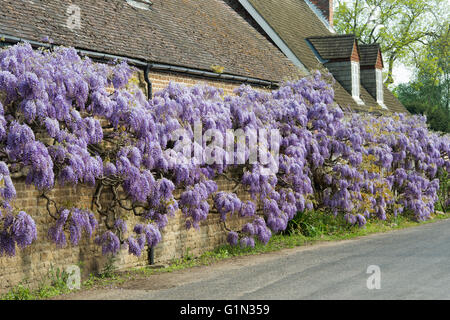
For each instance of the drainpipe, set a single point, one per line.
(149, 83)
(151, 256)
(151, 250)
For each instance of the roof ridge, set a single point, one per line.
(350, 35)
(363, 45)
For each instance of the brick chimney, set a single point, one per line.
(326, 6)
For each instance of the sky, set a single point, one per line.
(402, 74)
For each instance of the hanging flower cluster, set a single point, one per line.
(67, 120)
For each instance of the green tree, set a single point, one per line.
(429, 92)
(401, 27)
(433, 68)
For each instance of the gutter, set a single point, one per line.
(211, 75)
(151, 65)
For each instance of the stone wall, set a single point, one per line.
(31, 265)
(176, 240)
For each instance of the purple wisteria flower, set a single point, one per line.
(67, 120)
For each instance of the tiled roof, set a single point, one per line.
(190, 33)
(368, 54)
(392, 102)
(334, 46)
(294, 22)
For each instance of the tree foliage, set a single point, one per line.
(429, 92)
(65, 120)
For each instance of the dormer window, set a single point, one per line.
(140, 4)
(372, 71)
(355, 79)
(356, 82)
(340, 55)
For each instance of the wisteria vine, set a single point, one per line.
(66, 120)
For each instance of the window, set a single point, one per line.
(355, 79)
(380, 88)
(356, 82)
(140, 4)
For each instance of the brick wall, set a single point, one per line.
(176, 240)
(31, 265)
(355, 53)
(161, 80)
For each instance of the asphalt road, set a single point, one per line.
(413, 263)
